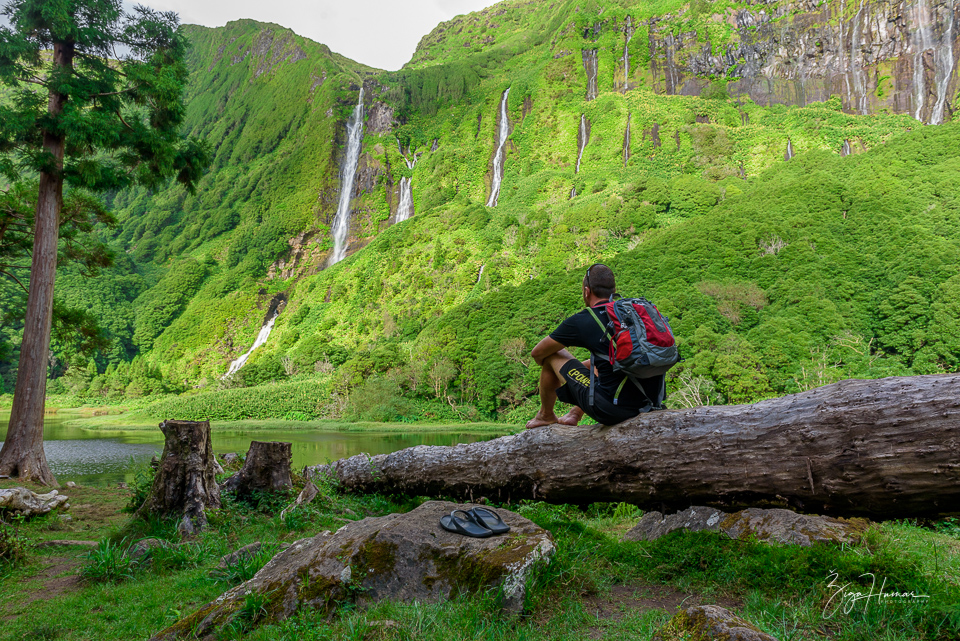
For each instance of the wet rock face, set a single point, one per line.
(380, 120)
(709, 623)
(768, 525)
(888, 54)
(404, 557)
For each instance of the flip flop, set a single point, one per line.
(489, 519)
(466, 527)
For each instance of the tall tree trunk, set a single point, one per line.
(22, 454)
(887, 448)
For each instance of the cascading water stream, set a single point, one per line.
(924, 17)
(405, 206)
(583, 137)
(944, 62)
(856, 65)
(846, 151)
(501, 152)
(590, 66)
(261, 339)
(626, 142)
(348, 172)
(789, 154)
(628, 31)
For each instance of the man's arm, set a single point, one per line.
(545, 348)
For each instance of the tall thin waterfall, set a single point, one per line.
(924, 17)
(405, 207)
(628, 32)
(845, 150)
(789, 154)
(590, 66)
(261, 339)
(501, 153)
(348, 172)
(626, 142)
(944, 63)
(856, 63)
(583, 137)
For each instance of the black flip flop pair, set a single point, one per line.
(478, 522)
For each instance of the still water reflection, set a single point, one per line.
(101, 458)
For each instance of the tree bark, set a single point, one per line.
(22, 454)
(184, 485)
(266, 469)
(887, 448)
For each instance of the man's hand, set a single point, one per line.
(545, 348)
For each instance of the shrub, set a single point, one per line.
(108, 562)
(379, 399)
(13, 546)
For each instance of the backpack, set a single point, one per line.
(641, 344)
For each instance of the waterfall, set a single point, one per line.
(573, 191)
(590, 66)
(789, 154)
(856, 66)
(261, 339)
(628, 31)
(626, 142)
(501, 153)
(480, 275)
(846, 151)
(405, 207)
(943, 61)
(583, 137)
(348, 172)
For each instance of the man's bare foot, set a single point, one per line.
(541, 419)
(572, 417)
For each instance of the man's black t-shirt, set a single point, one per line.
(581, 330)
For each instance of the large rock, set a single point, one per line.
(403, 557)
(27, 503)
(768, 525)
(709, 623)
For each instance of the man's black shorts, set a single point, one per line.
(577, 392)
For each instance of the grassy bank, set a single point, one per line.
(597, 585)
(137, 421)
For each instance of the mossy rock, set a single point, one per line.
(766, 525)
(402, 557)
(709, 623)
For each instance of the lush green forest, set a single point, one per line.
(778, 275)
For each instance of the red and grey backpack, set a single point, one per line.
(641, 343)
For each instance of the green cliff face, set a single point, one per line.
(779, 274)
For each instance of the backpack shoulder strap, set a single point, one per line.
(606, 332)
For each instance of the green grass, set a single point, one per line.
(594, 586)
(139, 423)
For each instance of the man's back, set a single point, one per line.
(582, 330)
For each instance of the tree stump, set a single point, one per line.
(266, 469)
(184, 484)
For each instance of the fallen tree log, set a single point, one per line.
(886, 448)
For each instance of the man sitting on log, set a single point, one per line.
(565, 378)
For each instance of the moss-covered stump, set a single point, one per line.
(709, 623)
(768, 525)
(403, 557)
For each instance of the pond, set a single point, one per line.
(102, 458)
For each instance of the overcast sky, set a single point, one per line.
(379, 33)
